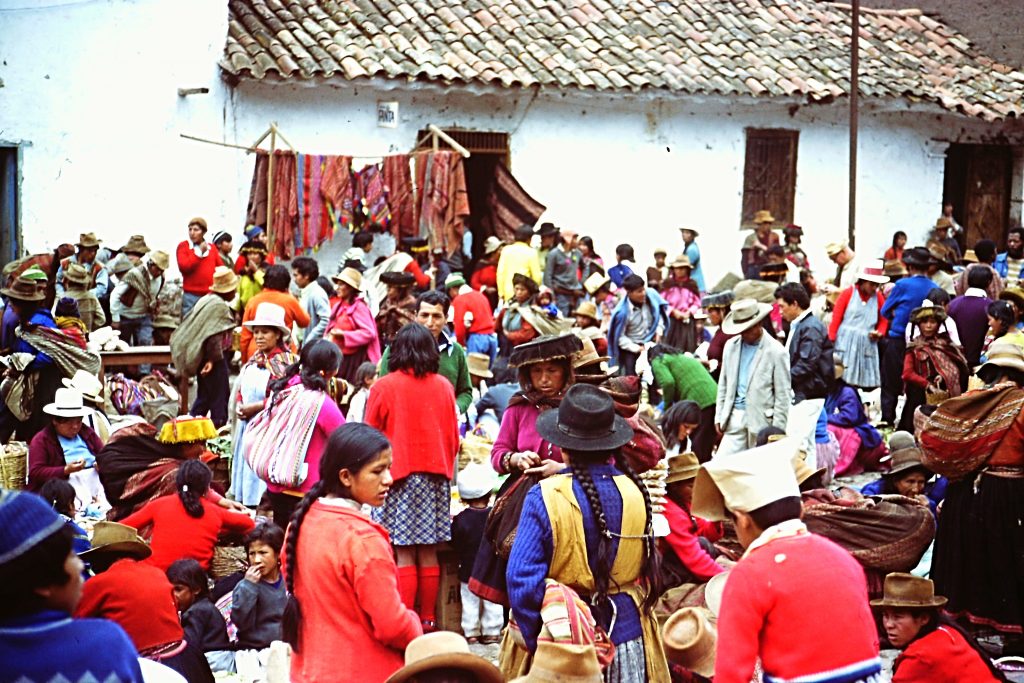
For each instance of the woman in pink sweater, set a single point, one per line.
(318, 364)
(352, 326)
(345, 619)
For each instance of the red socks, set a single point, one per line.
(407, 585)
(430, 580)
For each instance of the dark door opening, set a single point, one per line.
(977, 182)
(10, 235)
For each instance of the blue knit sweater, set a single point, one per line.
(533, 549)
(50, 645)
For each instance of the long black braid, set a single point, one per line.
(651, 567)
(603, 559)
(292, 614)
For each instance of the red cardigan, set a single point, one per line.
(176, 535)
(839, 310)
(196, 272)
(46, 457)
(138, 597)
(683, 540)
(419, 417)
(942, 656)
(800, 604)
(483, 319)
(346, 582)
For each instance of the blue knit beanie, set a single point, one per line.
(25, 520)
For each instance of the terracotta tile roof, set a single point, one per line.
(760, 48)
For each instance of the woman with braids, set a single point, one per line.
(318, 364)
(589, 528)
(344, 614)
(186, 523)
(414, 407)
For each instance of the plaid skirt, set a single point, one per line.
(417, 510)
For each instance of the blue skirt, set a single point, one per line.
(417, 510)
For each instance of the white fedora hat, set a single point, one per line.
(743, 315)
(67, 403)
(269, 315)
(88, 385)
(873, 271)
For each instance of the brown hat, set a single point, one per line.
(681, 261)
(969, 257)
(894, 268)
(904, 459)
(928, 310)
(201, 222)
(587, 355)
(943, 222)
(682, 467)
(527, 282)
(802, 470)
(689, 639)
(76, 273)
(224, 280)
(1015, 295)
(111, 537)
(136, 245)
(87, 240)
(160, 259)
(907, 590)
(479, 365)
(24, 289)
(764, 216)
(444, 650)
(562, 662)
(587, 309)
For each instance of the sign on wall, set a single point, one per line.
(387, 114)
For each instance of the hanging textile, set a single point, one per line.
(401, 196)
(372, 195)
(256, 212)
(337, 189)
(510, 205)
(314, 220)
(444, 202)
(286, 205)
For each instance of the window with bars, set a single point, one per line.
(477, 142)
(769, 174)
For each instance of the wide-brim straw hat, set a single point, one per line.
(444, 650)
(763, 217)
(682, 467)
(595, 282)
(588, 355)
(894, 268)
(111, 537)
(398, 278)
(1015, 295)
(87, 240)
(87, 384)
(351, 277)
(67, 403)
(224, 280)
(873, 271)
(802, 470)
(743, 315)
(492, 244)
(160, 259)
(1005, 355)
(136, 244)
(587, 309)
(943, 222)
(479, 364)
(689, 640)
(546, 348)
(969, 257)
(269, 315)
(585, 421)
(834, 248)
(908, 591)
(24, 289)
(681, 261)
(554, 662)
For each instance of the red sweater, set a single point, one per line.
(484, 276)
(682, 539)
(422, 279)
(347, 585)
(483, 319)
(839, 310)
(419, 417)
(138, 597)
(800, 603)
(176, 535)
(196, 272)
(942, 656)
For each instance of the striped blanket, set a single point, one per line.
(276, 440)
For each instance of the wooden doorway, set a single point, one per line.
(10, 211)
(977, 183)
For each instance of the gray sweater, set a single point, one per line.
(257, 610)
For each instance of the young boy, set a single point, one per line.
(258, 601)
(626, 264)
(636, 321)
(658, 273)
(482, 620)
(588, 325)
(315, 301)
(204, 626)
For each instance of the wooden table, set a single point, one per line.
(145, 355)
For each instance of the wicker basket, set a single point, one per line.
(14, 465)
(227, 559)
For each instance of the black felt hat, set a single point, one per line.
(399, 278)
(541, 349)
(585, 421)
(527, 282)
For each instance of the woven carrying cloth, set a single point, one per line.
(963, 432)
(66, 355)
(276, 440)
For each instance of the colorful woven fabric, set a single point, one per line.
(337, 189)
(372, 194)
(276, 440)
(510, 204)
(401, 195)
(286, 205)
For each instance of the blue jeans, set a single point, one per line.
(138, 332)
(483, 343)
(188, 302)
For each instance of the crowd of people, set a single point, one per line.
(638, 473)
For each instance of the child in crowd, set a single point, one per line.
(625, 264)
(344, 612)
(186, 523)
(546, 301)
(482, 620)
(366, 375)
(932, 364)
(258, 601)
(204, 626)
(61, 497)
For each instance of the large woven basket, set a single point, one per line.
(14, 465)
(227, 559)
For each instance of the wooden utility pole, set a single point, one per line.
(854, 93)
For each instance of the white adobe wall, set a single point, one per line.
(92, 90)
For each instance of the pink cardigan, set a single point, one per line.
(681, 299)
(363, 330)
(329, 419)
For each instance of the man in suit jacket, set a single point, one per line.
(754, 389)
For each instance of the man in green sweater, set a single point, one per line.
(432, 312)
(683, 378)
